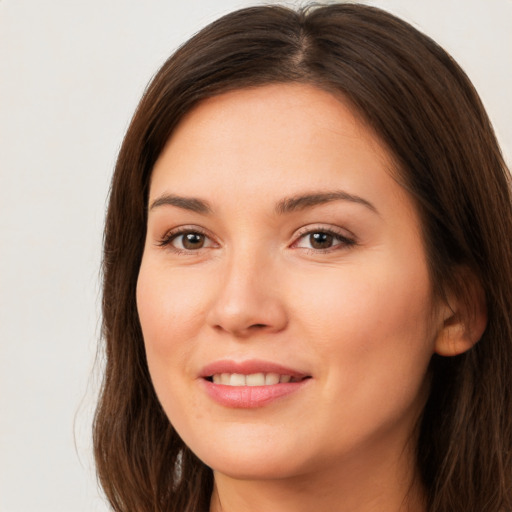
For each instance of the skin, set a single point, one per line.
(358, 317)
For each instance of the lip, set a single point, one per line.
(250, 397)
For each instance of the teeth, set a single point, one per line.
(253, 379)
(271, 378)
(237, 380)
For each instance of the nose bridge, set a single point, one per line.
(247, 297)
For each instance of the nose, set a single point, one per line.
(248, 298)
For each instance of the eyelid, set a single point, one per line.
(347, 238)
(166, 240)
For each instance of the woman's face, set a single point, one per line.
(283, 294)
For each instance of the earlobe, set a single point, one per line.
(464, 322)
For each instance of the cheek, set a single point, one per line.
(374, 324)
(374, 340)
(364, 298)
(169, 308)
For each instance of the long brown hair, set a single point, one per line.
(424, 108)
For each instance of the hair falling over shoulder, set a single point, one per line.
(424, 108)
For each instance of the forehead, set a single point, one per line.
(271, 141)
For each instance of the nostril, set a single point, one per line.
(258, 326)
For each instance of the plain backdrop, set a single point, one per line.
(71, 74)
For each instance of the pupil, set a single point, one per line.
(193, 241)
(321, 240)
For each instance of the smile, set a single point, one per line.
(253, 379)
(250, 384)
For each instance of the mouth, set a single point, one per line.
(254, 379)
(251, 384)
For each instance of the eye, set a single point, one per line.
(189, 241)
(186, 240)
(323, 240)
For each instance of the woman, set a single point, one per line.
(307, 277)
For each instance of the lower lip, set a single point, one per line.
(250, 397)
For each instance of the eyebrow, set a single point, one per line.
(301, 202)
(284, 206)
(186, 203)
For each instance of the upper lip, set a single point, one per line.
(248, 367)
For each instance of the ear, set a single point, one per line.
(463, 317)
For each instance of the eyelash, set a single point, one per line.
(170, 236)
(344, 241)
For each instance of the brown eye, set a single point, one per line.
(187, 241)
(321, 240)
(190, 241)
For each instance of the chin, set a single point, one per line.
(252, 460)
(249, 469)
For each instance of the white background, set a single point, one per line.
(71, 74)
